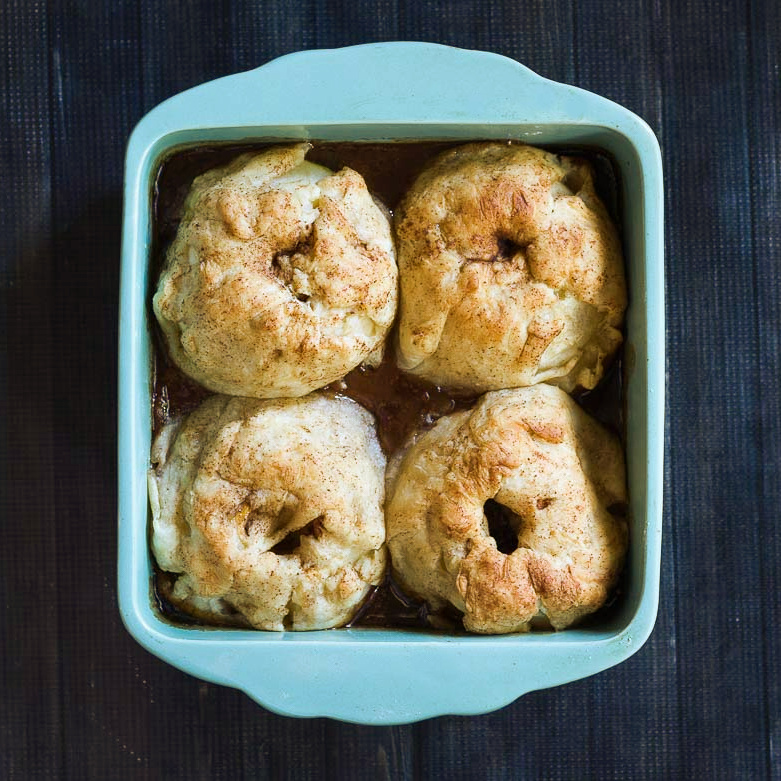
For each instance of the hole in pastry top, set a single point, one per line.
(285, 266)
(504, 250)
(503, 525)
(291, 542)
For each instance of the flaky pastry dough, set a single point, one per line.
(270, 508)
(282, 277)
(511, 271)
(556, 475)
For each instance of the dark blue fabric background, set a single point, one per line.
(79, 699)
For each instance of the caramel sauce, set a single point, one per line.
(401, 403)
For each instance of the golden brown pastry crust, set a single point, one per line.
(511, 271)
(536, 453)
(238, 478)
(281, 279)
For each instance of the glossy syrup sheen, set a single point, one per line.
(400, 402)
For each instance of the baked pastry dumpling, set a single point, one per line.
(282, 277)
(270, 508)
(511, 271)
(511, 512)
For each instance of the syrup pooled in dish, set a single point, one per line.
(401, 403)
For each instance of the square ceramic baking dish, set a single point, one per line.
(382, 92)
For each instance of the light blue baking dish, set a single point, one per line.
(385, 92)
